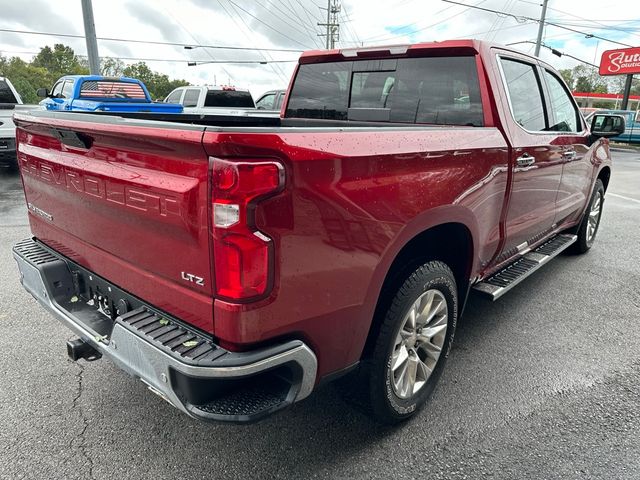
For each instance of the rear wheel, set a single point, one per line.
(591, 221)
(413, 343)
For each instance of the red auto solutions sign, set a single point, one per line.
(620, 62)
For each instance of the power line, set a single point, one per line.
(209, 54)
(152, 42)
(278, 71)
(378, 39)
(168, 60)
(267, 25)
(556, 52)
(522, 17)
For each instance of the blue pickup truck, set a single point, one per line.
(632, 125)
(94, 93)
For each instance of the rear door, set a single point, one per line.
(535, 164)
(126, 200)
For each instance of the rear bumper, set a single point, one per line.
(182, 365)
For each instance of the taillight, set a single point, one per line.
(243, 256)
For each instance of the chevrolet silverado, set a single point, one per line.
(232, 264)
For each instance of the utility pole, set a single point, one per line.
(627, 92)
(333, 24)
(90, 37)
(541, 27)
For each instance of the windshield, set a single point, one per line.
(6, 95)
(112, 89)
(433, 90)
(228, 98)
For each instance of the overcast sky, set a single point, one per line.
(292, 25)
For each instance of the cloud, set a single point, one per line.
(156, 18)
(39, 16)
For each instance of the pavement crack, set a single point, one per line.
(85, 421)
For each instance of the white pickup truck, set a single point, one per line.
(216, 100)
(10, 102)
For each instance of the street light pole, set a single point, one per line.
(90, 37)
(541, 27)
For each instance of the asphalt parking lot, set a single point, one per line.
(544, 383)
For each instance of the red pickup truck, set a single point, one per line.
(232, 264)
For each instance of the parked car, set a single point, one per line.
(10, 102)
(214, 100)
(234, 268)
(271, 100)
(94, 93)
(631, 132)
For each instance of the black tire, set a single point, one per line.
(378, 394)
(586, 237)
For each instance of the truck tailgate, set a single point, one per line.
(126, 201)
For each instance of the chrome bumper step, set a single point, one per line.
(501, 282)
(184, 366)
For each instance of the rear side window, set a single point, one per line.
(525, 95)
(432, 90)
(228, 99)
(6, 95)
(565, 113)
(115, 90)
(191, 98)
(67, 89)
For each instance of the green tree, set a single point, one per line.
(111, 67)
(567, 75)
(158, 84)
(59, 61)
(52, 63)
(587, 79)
(25, 77)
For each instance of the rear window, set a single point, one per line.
(115, 90)
(6, 95)
(435, 90)
(228, 98)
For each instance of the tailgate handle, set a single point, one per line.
(73, 139)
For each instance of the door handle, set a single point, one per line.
(525, 160)
(569, 155)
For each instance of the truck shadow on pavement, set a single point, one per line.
(320, 436)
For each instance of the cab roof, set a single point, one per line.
(468, 46)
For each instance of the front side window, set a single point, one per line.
(266, 102)
(191, 98)
(56, 91)
(566, 118)
(174, 97)
(430, 90)
(525, 94)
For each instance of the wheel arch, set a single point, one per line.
(444, 242)
(605, 175)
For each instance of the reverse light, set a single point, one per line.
(243, 256)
